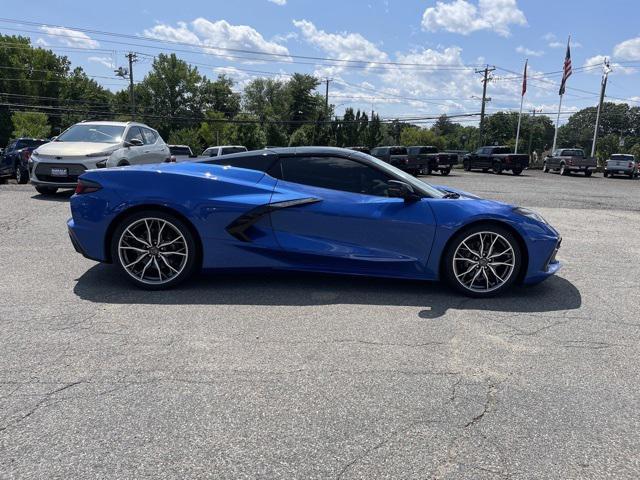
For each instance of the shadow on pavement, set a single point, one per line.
(62, 196)
(103, 284)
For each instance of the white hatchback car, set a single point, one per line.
(89, 145)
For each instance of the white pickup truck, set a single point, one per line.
(621, 164)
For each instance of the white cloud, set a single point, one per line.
(279, 2)
(529, 52)
(628, 50)
(106, 61)
(42, 42)
(464, 17)
(69, 37)
(342, 46)
(204, 33)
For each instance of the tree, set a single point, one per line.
(247, 131)
(302, 137)
(169, 91)
(374, 134)
(304, 104)
(443, 126)
(30, 124)
(219, 96)
(213, 130)
(420, 136)
(186, 136)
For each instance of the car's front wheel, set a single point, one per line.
(22, 176)
(445, 171)
(155, 250)
(483, 261)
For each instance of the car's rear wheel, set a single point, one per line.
(587, 173)
(155, 250)
(483, 261)
(516, 171)
(545, 169)
(497, 168)
(563, 170)
(22, 176)
(467, 166)
(42, 190)
(606, 174)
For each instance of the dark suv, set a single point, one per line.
(14, 161)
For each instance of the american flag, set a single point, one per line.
(567, 69)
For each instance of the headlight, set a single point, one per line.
(525, 212)
(101, 163)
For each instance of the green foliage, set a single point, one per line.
(302, 137)
(30, 124)
(249, 134)
(186, 136)
(421, 136)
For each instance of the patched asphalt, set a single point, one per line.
(316, 376)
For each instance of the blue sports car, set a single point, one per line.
(312, 209)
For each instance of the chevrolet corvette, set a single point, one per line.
(316, 209)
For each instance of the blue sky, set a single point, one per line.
(441, 43)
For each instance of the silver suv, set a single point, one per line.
(89, 145)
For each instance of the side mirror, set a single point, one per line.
(134, 142)
(398, 189)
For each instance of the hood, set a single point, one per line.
(75, 149)
(447, 189)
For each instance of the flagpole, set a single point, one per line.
(555, 135)
(562, 88)
(521, 104)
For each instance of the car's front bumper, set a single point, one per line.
(551, 265)
(42, 171)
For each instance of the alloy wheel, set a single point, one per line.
(484, 262)
(153, 251)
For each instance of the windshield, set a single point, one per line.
(629, 158)
(572, 153)
(29, 143)
(417, 185)
(501, 150)
(92, 134)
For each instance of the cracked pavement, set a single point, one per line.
(316, 376)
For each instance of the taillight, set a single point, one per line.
(86, 186)
(630, 164)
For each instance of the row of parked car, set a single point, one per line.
(56, 163)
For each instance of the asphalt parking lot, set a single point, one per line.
(302, 376)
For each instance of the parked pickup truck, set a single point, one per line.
(398, 157)
(210, 152)
(431, 160)
(14, 161)
(620, 164)
(567, 160)
(497, 159)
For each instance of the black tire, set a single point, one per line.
(563, 170)
(466, 165)
(22, 175)
(587, 173)
(429, 171)
(485, 170)
(191, 265)
(605, 174)
(42, 190)
(123, 163)
(448, 270)
(445, 171)
(497, 168)
(545, 169)
(632, 175)
(517, 171)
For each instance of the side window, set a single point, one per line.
(230, 150)
(134, 132)
(336, 174)
(150, 136)
(262, 163)
(10, 147)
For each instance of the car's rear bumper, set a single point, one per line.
(580, 168)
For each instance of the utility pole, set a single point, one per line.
(132, 98)
(605, 75)
(533, 123)
(326, 95)
(485, 80)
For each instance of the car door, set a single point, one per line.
(135, 154)
(6, 161)
(155, 150)
(345, 220)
